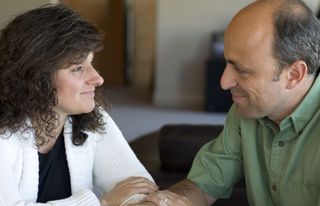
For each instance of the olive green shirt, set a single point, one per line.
(281, 163)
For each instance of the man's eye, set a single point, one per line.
(240, 71)
(76, 69)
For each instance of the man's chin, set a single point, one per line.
(245, 112)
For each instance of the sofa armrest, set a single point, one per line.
(169, 153)
(178, 144)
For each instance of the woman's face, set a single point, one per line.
(76, 87)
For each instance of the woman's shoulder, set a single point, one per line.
(103, 112)
(109, 123)
(10, 142)
(110, 130)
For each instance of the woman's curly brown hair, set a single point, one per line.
(33, 46)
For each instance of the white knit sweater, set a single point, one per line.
(94, 167)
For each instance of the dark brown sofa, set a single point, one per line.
(168, 154)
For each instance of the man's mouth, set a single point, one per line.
(236, 96)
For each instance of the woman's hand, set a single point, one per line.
(167, 198)
(128, 187)
(141, 204)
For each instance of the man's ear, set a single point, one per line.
(297, 71)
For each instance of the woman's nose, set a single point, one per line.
(95, 78)
(228, 80)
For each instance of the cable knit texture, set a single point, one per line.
(95, 167)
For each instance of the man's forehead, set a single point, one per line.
(255, 14)
(254, 23)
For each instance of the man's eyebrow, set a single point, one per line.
(238, 65)
(231, 62)
(234, 63)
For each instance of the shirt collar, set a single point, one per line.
(307, 108)
(304, 111)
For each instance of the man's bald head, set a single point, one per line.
(292, 25)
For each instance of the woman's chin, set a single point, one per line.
(88, 108)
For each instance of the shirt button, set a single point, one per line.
(281, 143)
(274, 188)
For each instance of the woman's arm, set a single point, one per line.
(115, 163)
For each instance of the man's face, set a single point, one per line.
(251, 73)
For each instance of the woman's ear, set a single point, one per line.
(297, 71)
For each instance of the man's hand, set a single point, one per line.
(167, 198)
(184, 193)
(141, 204)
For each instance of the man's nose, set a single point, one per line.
(228, 78)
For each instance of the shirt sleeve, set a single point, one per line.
(115, 161)
(218, 164)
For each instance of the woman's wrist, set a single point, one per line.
(104, 202)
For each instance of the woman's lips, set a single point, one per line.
(89, 93)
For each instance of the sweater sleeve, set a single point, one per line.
(84, 197)
(10, 194)
(115, 161)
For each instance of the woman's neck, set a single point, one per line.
(55, 134)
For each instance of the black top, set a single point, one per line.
(54, 177)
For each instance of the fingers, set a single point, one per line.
(141, 204)
(128, 187)
(135, 180)
(142, 182)
(167, 198)
(134, 185)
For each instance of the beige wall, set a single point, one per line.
(184, 28)
(10, 8)
(144, 12)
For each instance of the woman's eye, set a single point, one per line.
(76, 69)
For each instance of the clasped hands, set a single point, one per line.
(164, 198)
(140, 185)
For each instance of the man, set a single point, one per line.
(272, 132)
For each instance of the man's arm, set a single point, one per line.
(184, 193)
(190, 190)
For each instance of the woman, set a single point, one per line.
(57, 144)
